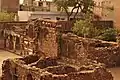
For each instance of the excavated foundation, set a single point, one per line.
(79, 58)
(34, 68)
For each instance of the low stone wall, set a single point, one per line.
(13, 23)
(83, 49)
(107, 55)
(17, 69)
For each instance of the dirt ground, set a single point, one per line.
(5, 55)
(115, 73)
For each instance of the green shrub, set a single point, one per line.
(108, 35)
(4, 16)
(83, 28)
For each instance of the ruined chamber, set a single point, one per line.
(67, 59)
(33, 67)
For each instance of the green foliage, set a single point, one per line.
(83, 28)
(4, 16)
(108, 35)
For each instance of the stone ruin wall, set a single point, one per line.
(80, 48)
(5, 28)
(48, 42)
(17, 23)
(70, 47)
(18, 70)
(74, 48)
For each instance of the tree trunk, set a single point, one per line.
(68, 18)
(76, 13)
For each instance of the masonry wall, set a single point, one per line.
(48, 41)
(16, 23)
(10, 6)
(53, 43)
(83, 49)
(17, 70)
(5, 29)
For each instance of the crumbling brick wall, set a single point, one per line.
(83, 49)
(53, 43)
(48, 42)
(44, 37)
(17, 69)
(14, 23)
(108, 55)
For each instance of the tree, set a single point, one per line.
(4, 16)
(83, 28)
(82, 6)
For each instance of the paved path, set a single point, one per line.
(115, 73)
(5, 55)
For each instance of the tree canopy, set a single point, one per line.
(82, 6)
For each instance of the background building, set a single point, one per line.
(117, 13)
(9, 5)
(38, 5)
(104, 9)
(109, 10)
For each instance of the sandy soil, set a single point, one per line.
(5, 55)
(115, 73)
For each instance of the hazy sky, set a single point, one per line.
(21, 1)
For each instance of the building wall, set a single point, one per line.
(53, 7)
(0, 5)
(117, 13)
(97, 8)
(28, 2)
(9, 6)
(104, 9)
(112, 14)
(108, 14)
(24, 15)
(108, 10)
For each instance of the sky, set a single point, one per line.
(21, 1)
